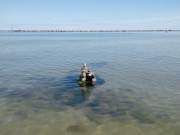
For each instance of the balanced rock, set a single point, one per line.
(87, 75)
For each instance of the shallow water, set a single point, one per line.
(137, 90)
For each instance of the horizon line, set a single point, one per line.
(55, 30)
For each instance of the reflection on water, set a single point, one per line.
(87, 87)
(137, 88)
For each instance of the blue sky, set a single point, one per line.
(89, 14)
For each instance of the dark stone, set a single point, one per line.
(76, 129)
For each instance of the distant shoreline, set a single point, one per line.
(92, 30)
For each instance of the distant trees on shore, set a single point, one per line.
(91, 30)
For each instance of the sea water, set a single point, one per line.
(137, 90)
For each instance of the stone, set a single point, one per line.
(87, 75)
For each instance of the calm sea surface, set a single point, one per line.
(137, 90)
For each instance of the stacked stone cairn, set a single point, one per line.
(87, 75)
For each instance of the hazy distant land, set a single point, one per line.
(92, 30)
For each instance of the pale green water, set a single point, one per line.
(137, 90)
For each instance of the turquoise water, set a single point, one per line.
(137, 90)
